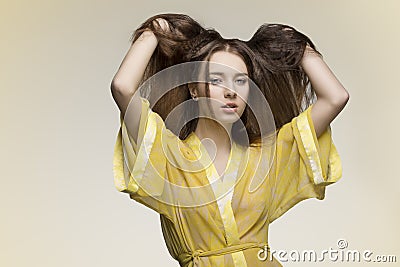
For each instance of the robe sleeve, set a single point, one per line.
(305, 164)
(140, 168)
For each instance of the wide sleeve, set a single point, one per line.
(140, 168)
(304, 164)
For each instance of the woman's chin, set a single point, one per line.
(224, 116)
(229, 118)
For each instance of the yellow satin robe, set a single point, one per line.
(232, 231)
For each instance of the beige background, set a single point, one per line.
(58, 203)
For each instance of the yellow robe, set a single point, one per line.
(216, 226)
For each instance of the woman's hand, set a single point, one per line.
(162, 23)
(310, 52)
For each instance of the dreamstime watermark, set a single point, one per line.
(340, 253)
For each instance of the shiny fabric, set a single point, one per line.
(231, 230)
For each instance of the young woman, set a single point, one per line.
(221, 171)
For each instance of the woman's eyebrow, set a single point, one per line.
(236, 74)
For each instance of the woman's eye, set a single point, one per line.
(215, 80)
(241, 81)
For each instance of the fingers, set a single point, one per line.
(311, 51)
(162, 23)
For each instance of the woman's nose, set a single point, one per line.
(229, 91)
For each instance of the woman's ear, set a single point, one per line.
(192, 89)
(193, 92)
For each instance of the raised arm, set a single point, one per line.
(331, 95)
(127, 79)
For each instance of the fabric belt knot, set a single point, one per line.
(192, 258)
(195, 256)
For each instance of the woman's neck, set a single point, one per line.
(218, 133)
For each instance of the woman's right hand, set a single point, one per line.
(162, 23)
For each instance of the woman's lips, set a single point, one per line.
(230, 107)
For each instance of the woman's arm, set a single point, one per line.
(127, 79)
(331, 95)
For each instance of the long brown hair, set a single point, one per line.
(279, 49)
(272, 57)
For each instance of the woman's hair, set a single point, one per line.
(172, 45)
(279, 49)
(272, 57)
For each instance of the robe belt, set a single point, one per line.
(194, 256)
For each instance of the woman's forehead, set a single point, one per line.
(226, 62)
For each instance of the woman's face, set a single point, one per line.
(228, 88)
